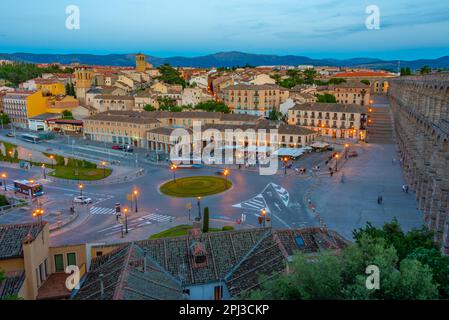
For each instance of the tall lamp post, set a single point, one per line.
(125, 211)
(263, 213)
(81, 187)
(10, 155)
(103, 164)
(135, 194)
(226, 174)
(52, 157)
(38, 213)
(285, 160)
(173, 168)
(198, 201)
(346, 150)
(43, 171)
(336, 162)
(4, 176)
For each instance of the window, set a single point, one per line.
(218, 293)
(71, 259)
(59, 263)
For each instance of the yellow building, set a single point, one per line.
(50, 87)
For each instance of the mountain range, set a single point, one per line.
(225, 59)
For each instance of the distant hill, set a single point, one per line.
(224, 59)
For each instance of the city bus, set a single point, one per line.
(29, 187)
(30, 138)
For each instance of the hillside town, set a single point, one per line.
(92, 193)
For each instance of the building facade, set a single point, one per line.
(22, 105)
(254, 99)
(336, 121)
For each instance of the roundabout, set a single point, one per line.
(197, 186)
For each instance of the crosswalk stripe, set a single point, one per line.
(99, 210)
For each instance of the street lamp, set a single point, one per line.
(30, 157)
(285, 160)
(263, 213)
(38, 213)
(52, 164)
(173, 168)
(10, 155)
(81, 187)
(198, 201)
(4, 176)
(103, 164)
(346, 150)
(125, 211)
(336, 162)
(226, 174)
(135, 194)
(43, 170)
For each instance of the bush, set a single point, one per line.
(227, 228)
(3, 201)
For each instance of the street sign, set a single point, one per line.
(117, 208)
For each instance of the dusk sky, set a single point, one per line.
(409, 29)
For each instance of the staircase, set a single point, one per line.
(380, 130)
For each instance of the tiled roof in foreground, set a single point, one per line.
(236, 258)
(11, 285)
(12, 237)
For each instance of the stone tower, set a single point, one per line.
(141, 64)
(83, 82)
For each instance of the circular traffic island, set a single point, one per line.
(198, 186)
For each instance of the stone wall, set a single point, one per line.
(421, 114)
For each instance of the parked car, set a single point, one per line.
(128, 148)
(116, 147)
(10, 134)
(82, 200)
(353, 154)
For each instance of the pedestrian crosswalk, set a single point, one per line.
(99, 210)
(156, 217)
(257, 203)
(283, 193)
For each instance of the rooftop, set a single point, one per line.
(236, 257)
(12, 237)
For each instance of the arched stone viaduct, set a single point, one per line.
(420, 108)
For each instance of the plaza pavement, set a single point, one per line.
(349, 205)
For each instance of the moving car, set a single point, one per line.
(116, 147)
(82, 200)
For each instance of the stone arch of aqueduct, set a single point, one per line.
(420, 108)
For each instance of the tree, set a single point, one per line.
(170, 75)
(365, 82)
(213, 106)
(309, 75)
(392, 233)
(425, 70)
(328, 275)
(67, 89)
(73, 91)
(67, 114)
(406, 72)
(274, 115)
(149, 108)
(439, 266)
(206, 220)
(326, 98)
(4, 119)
